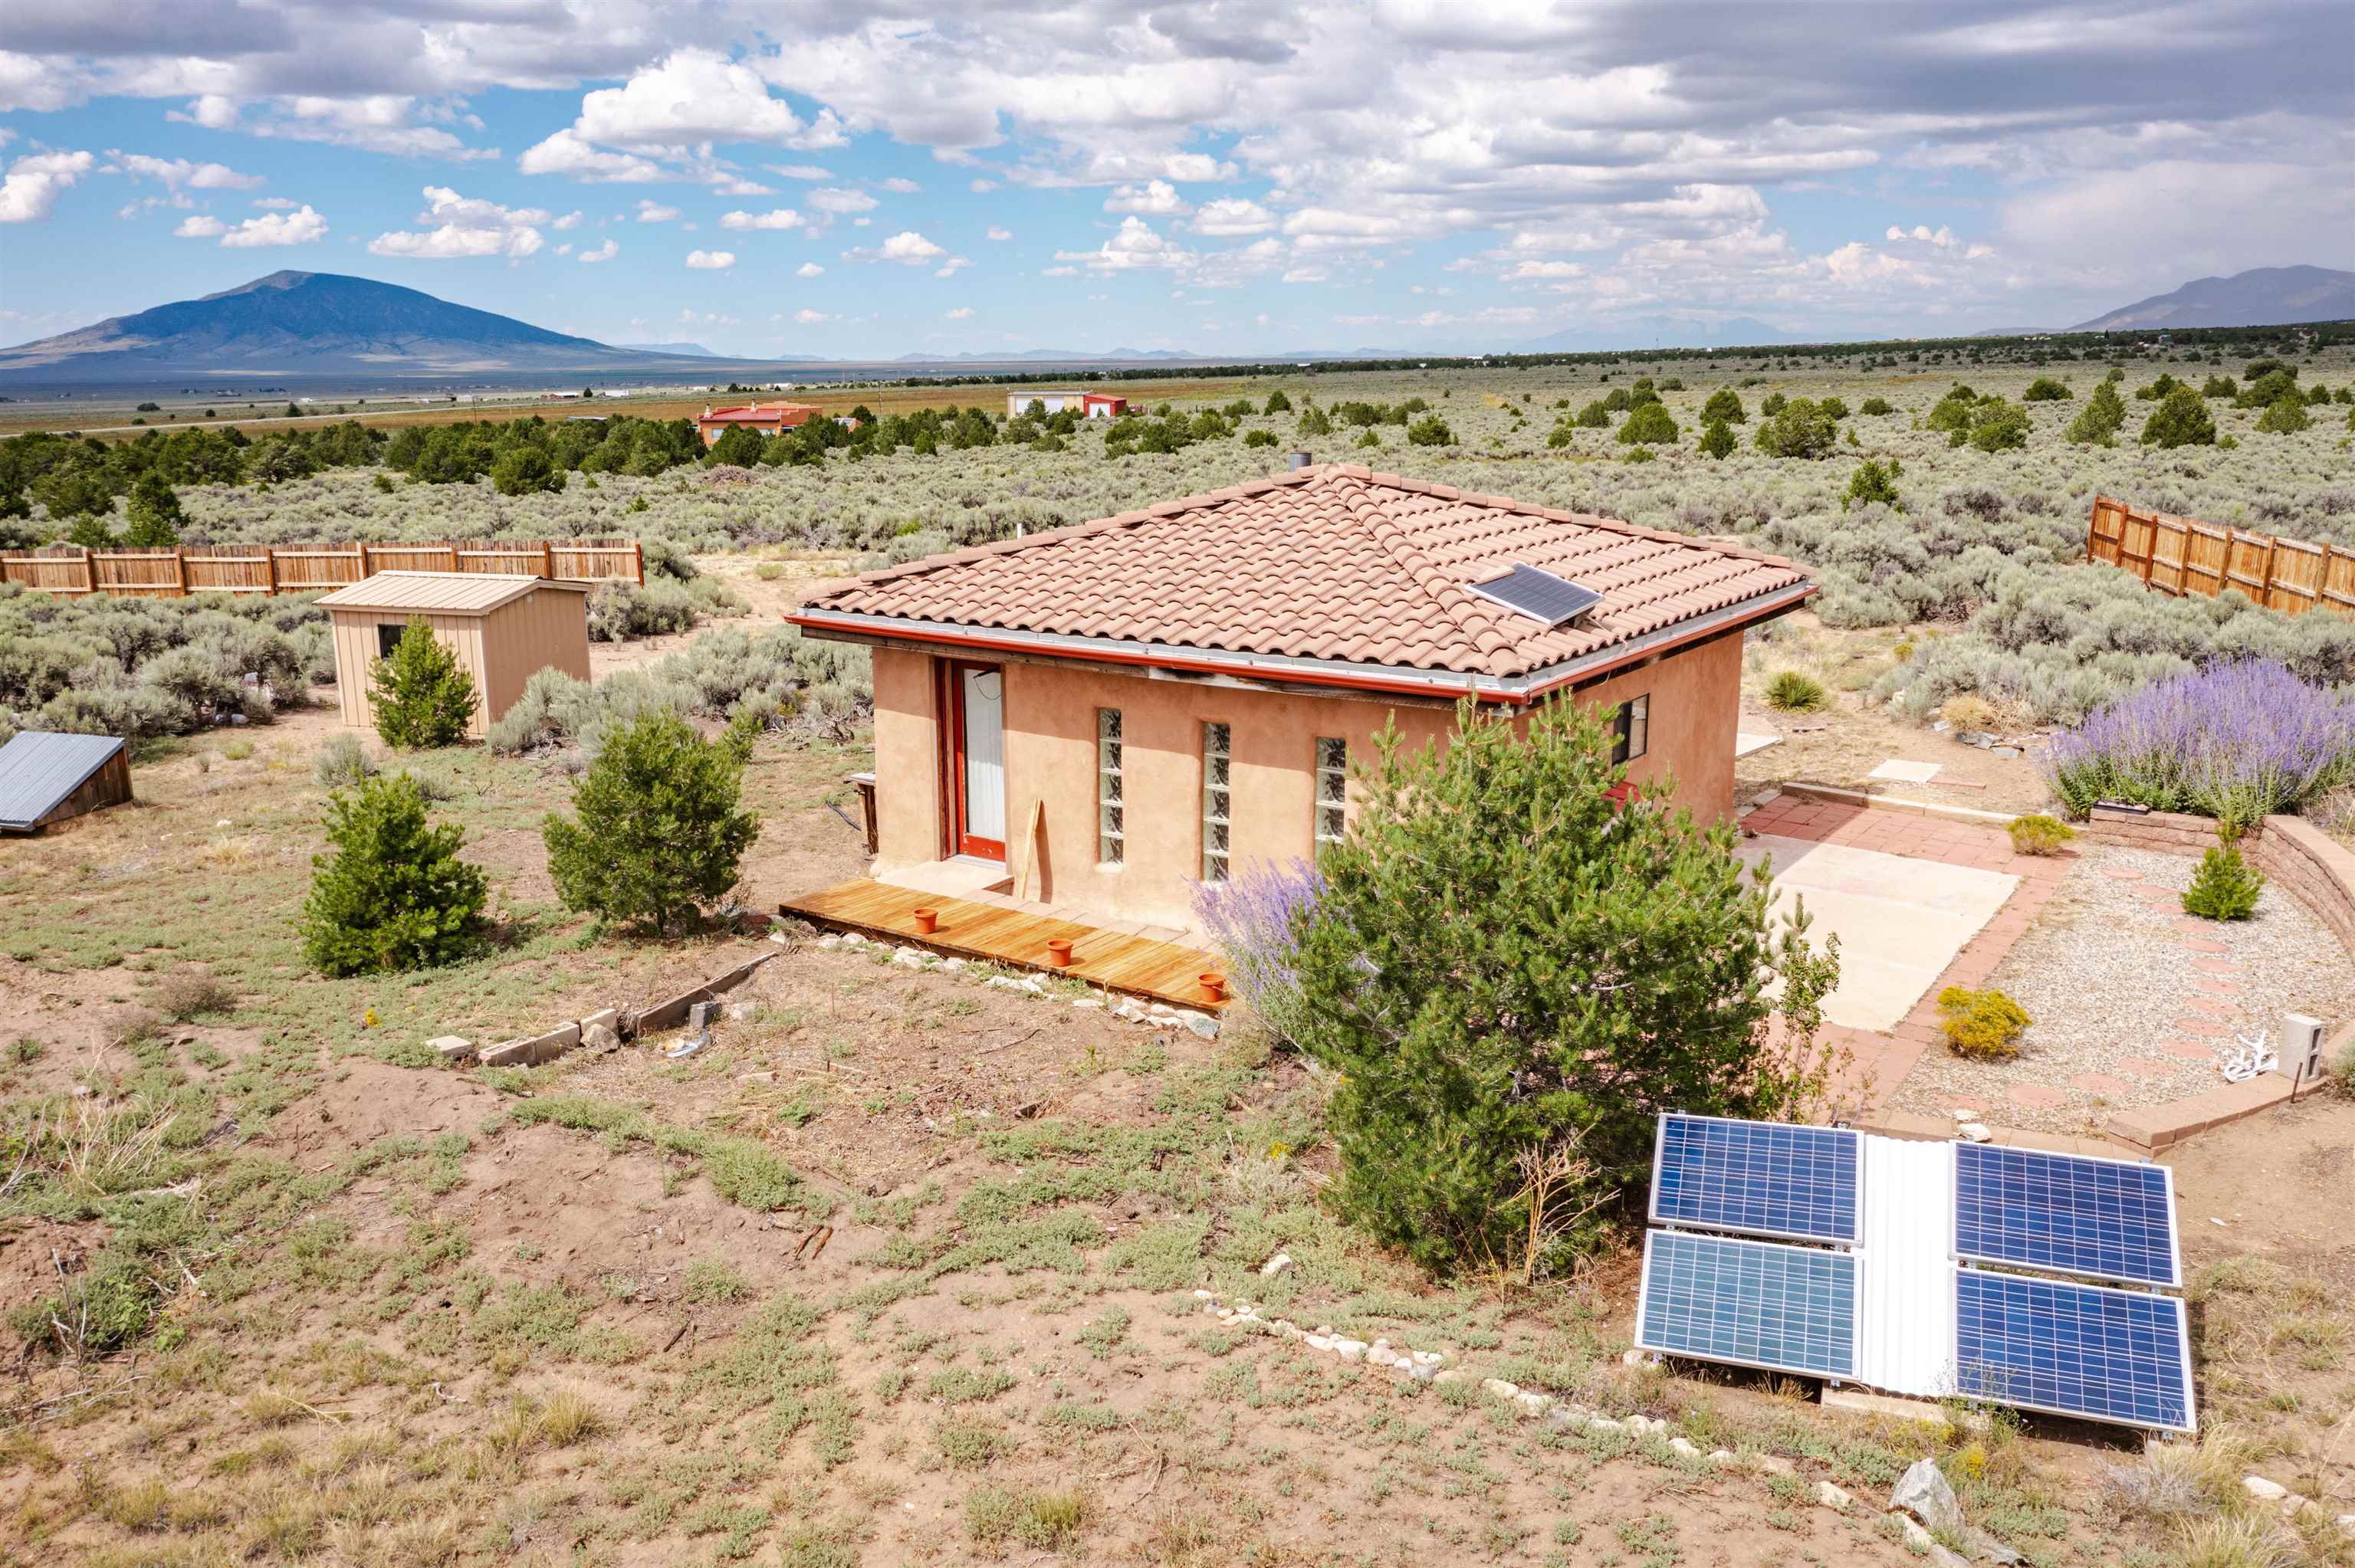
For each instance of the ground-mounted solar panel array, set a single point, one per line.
(1767, 1179)
(1751, 1303)
(2103, 1219)
(2074, 1349)
(1817, 1300)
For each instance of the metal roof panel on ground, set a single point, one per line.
(39, 769)
(441, 593)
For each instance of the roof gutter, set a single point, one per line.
(1513, 689)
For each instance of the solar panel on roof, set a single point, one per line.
(1767, 1177)
(2072, 1349)
(2070, 1214)
(1759, 1304)
(1540, 595)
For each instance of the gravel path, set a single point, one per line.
(2132, 999)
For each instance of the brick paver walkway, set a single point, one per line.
(1882, 1060)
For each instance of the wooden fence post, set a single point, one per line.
(180, 564)
(269, 568)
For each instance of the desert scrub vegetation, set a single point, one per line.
(776, 679)
(147, 668)
(2015, 493)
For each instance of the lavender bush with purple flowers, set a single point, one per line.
(2235, 741)
(1257, 920)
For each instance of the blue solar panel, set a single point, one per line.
(2068, 1214)
(1754, 1304)
(2074, 1349)
(1767, 1177)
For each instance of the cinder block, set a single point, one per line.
(611, 1017)
(532, 1050)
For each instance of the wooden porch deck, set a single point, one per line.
(1139, 966)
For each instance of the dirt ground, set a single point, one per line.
(1841, 743)
(897, 1268)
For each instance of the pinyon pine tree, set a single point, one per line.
(657, 831)
(394, 895)
(421, 698)
(1511, 972)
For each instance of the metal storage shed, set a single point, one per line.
(504, 630)
(45, 778)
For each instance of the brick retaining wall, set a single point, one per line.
(2316, 870)
(2300, 856)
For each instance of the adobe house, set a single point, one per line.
(765, 418)
(1106, 714)
(503, 628)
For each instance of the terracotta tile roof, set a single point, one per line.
(761, 414)
(1329, 561)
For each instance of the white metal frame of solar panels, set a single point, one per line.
(2011, 1276)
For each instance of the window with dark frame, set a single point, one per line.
(388, 637)
(1632, 730)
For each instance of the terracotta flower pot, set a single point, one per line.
(1214, 985)
(1059, 951)
(926, 919)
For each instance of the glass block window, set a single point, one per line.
(1110, 831)
(1216, 794)
(1332, 789)
(1632, 730)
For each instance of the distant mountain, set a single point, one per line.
(686, 350)
(1637, 333)
(2263, 296)
(322, 324)
(1048, 355)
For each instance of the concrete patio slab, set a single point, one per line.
(1898, 770)
(1899, 920)
(1747, 741)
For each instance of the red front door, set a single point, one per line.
(976, 771)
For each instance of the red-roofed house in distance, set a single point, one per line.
(1090, 404)
(1107, 714)
(767, 418)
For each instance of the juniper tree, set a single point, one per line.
(657, 830)
(421, 698)
(154, 514)
(1505, 965)
(394, 895)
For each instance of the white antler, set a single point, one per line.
(2253, 1059)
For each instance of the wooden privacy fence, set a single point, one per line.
(2184, 555)
(308, 568)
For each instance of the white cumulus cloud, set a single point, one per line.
(297, 228)
(781, 217)
(808, 269)
(907, 247)
(712, 261)
(31, 187)
(604, 253)
(464, 227)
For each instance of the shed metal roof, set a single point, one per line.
(441, 593)
(40, 767)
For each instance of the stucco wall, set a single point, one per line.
(1050, 756)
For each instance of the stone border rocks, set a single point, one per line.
(1127, 1009)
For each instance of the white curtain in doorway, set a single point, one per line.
(984, 755)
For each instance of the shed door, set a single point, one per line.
(978, 734)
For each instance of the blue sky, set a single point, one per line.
(1217, 176)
